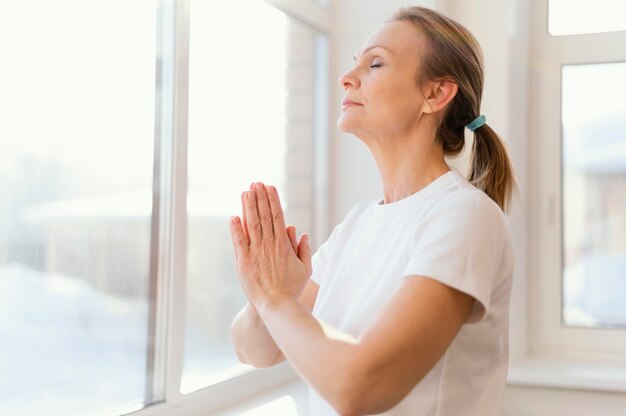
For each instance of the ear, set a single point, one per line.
(438, 95)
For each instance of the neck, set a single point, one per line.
(406, 163)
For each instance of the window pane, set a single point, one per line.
(577, 17)
(77, 109)
(250, 119)
(594, 194)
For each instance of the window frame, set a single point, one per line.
(169, 225)
(548, 338)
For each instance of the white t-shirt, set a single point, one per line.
(451, 232)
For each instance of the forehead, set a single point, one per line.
(401, 38)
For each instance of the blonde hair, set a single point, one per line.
(459, 58)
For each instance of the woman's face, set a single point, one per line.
(382, 84)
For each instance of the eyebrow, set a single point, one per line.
(372, 47)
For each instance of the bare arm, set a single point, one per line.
(253, 343)
(374, 372)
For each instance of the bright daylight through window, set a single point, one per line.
(77, 137)
(251, 118)
(83, 98)
(578, 17)
(594, 194)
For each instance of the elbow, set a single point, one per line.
(343, 392)
(241, 356)
(352, 395)
(361, 407)
(235, 343)
(243, 359)
(350, 411)
(366, 393)
(366, 404)
(265, 363)
(347, 406)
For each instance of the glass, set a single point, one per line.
(579, 17)
(251, 118)
(77, 84)
(594, 194)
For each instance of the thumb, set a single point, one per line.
(291, 232)
(304, 253)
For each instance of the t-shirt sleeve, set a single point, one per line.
(461, 246)
(320, 258)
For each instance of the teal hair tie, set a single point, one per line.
(477, 122)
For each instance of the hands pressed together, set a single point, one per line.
(270, 261)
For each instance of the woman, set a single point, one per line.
(404, 309)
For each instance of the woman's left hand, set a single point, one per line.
(266, 262)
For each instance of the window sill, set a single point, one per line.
(291, 399)
(568, 374)
(251, 389)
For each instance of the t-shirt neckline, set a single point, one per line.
(387, 210)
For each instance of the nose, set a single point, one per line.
(349, 80)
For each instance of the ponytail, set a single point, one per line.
(452, 52)
(489, 167)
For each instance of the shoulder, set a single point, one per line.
(464, 213)
(464, 202)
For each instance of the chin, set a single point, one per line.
(345, 125)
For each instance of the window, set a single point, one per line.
(578, 142)
(594, 195)
(106, 218)
(579, 17)
(77, 139)
(251, 118)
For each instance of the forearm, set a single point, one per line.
(253, 343)
(324, 356)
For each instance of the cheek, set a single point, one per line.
(396, 102)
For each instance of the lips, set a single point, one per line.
(347, 102)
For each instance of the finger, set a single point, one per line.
(291, 232)
(239, 239)
(265, 214)
(252, 218)
(304, 253)
(278, 217)
(243, 214)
